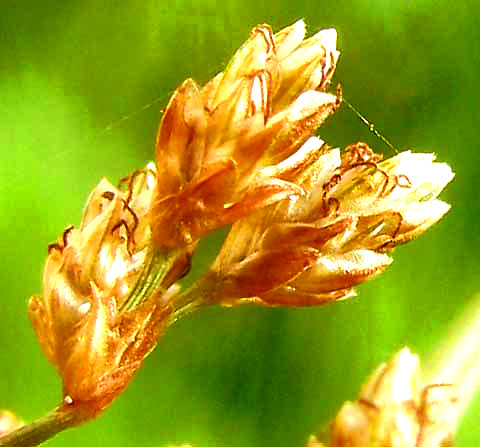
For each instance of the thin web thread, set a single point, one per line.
(147, 106)
(132, 115)
(370, 126)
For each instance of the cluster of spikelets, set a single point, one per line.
(308, 222)
(395, 409)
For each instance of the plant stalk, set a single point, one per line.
(42, 429)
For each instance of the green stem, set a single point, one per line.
(42, 429)
(201, 293)
(157, 267)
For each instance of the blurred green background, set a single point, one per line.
(75, 80)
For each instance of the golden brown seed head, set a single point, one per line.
(214, 141)
(314, 248)
(97, 320)
(396, 409)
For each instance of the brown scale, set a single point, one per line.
(130, 231)
(358, 153)
(60, 247)
(265, 79)
(385, 246)
(329, 203)
(265, 76)
(367, 403)
(421, 410)
(267, 35)
(120, 224)
(325, 77)
(361, 155)
(401, 180)
(109, 195)
(129, 181)
(358, 156)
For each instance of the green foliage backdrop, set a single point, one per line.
(74, 79)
